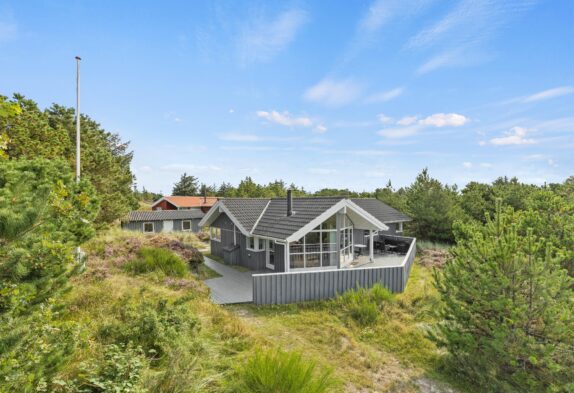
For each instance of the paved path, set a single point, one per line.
(232, 287)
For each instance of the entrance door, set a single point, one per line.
(270, 261)
(167, 226)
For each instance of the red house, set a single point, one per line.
(184, 203)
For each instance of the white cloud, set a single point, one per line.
(547, 94)
(535, 157)
(334, 92)
(541, 157)
(285, 119)
(407, 120)
(384, 119)
(320, 129)
(237, 137)
(231, 111)
(262, 39)
(411, 125)
(385, 96)
(486, 165)
(445, 120)
(400, 132)
(145, 169)
(467, 164)
(516, 136)
(382, 12)
(461, 34)
(446, 58)
(378, 13)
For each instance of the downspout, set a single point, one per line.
(338, 221)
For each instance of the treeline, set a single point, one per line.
(432, 205)
(27, 132)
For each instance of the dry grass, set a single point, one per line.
(391, 355)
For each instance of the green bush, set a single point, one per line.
(281, 372)
(195, 259)
(152, 326)
(365, 305)
(119, 371)
(151, 259)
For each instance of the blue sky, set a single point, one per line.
(322, 93)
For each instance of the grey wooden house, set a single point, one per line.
(157, 221)
(280, 237)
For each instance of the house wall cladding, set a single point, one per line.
(138, 226)
(164, 205)
(253, 260)
(158, 225)
(293, 287)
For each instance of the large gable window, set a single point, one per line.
(318, 248)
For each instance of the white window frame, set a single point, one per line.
(190, 226)
(258, 243)
(212, 234)
(347, 226)
(152, 227)
(399, 227)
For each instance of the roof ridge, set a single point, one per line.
(260, 216)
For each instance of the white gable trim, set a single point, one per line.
(366, 215)
(217, 209)
(342, 204)
(164, 199)
(260, 216)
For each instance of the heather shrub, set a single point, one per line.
(157, 260)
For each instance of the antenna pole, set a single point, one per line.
(78, 59)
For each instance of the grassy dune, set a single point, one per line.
(188, 344)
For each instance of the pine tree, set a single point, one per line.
(507, 308)
(186, 186)
(44, 215)
(433, 207)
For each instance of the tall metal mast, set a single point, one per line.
(78, 59)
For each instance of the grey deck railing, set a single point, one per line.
(293, 287)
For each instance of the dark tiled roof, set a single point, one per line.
(246, 210)
(271, 218)
(276, 223)
(380, 210)
(156, 215)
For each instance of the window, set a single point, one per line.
(255, 244)
(186, 225)
(318, 248)
(148, 227)
(400, 227)
(215, 234)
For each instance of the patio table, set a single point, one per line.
(360, 247)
